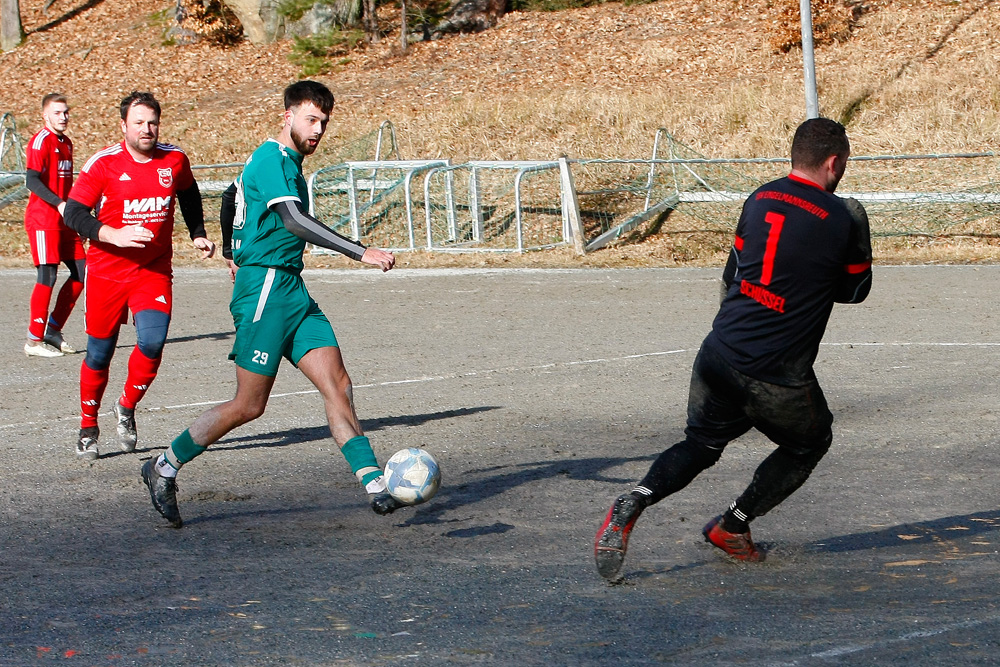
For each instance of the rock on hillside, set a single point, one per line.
(219, 102)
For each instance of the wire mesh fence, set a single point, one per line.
(213, 179)
(367, 192)
(11, 163)
(905, 195)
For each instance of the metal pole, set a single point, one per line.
(808, 61)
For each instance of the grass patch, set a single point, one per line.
(324, 52)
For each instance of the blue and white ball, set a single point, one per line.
(412, 476)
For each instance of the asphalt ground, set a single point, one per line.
(543, 395)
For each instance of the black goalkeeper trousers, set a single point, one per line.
(723, 404)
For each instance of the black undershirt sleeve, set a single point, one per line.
(729, 273)
(79, 218)
(310, 229)
(856, 283)
(191, 209)
(227, 214)
(33, 181)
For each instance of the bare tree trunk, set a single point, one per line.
(371, 22)
(346, 12)
(11, 30)
(402, 26)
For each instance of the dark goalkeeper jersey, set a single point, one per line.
(797, 251)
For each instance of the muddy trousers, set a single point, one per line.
(723, 404)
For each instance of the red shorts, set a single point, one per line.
(108, 300)
(54, 246)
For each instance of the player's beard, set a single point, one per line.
(143, 145)
(302, 143)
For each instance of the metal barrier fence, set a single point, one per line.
(494, 206)
(370, 200)
(515, 206)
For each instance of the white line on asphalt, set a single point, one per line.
(493, 371)
(919, 634)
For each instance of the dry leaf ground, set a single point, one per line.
(912, 76)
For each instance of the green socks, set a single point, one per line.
(361, 458)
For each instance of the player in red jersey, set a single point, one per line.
(134, 186)
(49, 177)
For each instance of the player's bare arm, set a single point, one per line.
(79, 218)
(206, 246)
(383, 259)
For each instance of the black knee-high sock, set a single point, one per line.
(776, 478)
(674, 469)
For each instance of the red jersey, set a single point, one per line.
(51, 156)
(126, 192)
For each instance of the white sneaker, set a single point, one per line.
(41, 349)
(55, 339)
(86, 446)
(125, 427)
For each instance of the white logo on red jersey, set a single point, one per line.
(161, 299)
(124, 177)
(146, 204)
(166, 176)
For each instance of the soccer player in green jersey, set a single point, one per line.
(265, 229)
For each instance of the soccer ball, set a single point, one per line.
(412, 476)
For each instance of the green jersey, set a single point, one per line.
(273, 173)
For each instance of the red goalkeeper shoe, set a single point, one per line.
(737, 545)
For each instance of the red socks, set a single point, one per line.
(70, 292)
(92, 386)
(141, 372)
(38, 308)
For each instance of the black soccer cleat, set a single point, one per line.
(383, 503)
(126, 426)
(163, 493)
(611, 542)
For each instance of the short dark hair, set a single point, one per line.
(309, 91)
(137, 98)
(817, 139)
(53, 97)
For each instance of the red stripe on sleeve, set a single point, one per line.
(738, 244)
(857, 268)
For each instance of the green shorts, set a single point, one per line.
(275, 317)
